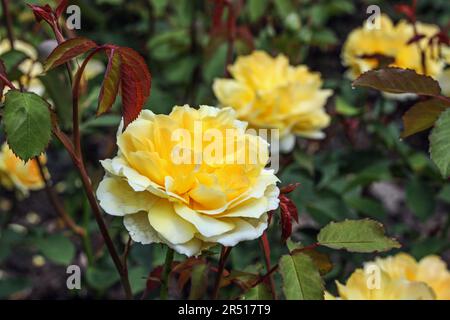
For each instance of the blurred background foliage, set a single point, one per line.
(362, 168)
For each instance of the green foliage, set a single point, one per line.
(422, 116)
(439, 144)
(57, 248)
(356, 236)
(259, 292)
(27, 123)
(301, 279)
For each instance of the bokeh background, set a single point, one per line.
(361, 169)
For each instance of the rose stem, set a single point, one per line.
(56, 202)
(164, 293)
(222, 260)
(75, 152)
(264, 242)
(8, 22)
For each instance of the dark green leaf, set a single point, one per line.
(27, 123)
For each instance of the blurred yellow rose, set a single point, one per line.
(269, 93)
(358, 287)
(14, 173)
(400, 277)
(391, 40)
(430, 270)
(30, 67)
(188, 205)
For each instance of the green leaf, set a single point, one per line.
(101, 279)
(420, 198)
(12, 59)
(256, 9)
(356, 236)
(396, 80)
(422, 116)
(260, 292)
(27, 123)
(344, 108)
(199, 281)
(368, 207)
(138, 279)
(301, 279)
(440, 143)
(57, 249)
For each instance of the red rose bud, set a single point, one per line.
(43, 13)
(289, 188)
(288, 212)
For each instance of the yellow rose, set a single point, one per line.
(30, 68)
(401, 277)
(358, 287)
(189, 206)
(269, 93)
(14, 173)
(390, 40)
(430, 270)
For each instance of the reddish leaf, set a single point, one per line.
(288, 212)
(407, 10)
(244, 34)
(110, 86)
(61, 8)
(286, 222)
(68, 50)
(422, 116)
(397, 80)
(135, 83)
(154, 279)
(43, 13)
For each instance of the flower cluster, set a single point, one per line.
(269, 93)
(188, 205)
(401, 278)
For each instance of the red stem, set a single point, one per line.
(222, 260)
(266, 250)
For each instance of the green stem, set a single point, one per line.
(164, 294)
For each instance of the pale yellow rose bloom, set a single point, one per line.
(359, 287)
(15, 173)
(401, 277)
(269, 93)
(189, 206)
(391, 40)
(430, 270)
(30, 67)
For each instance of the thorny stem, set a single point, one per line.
(264, 241)
(164, 293)
(56, 202)
(8, 22)
(79, 164)
(225, 252)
